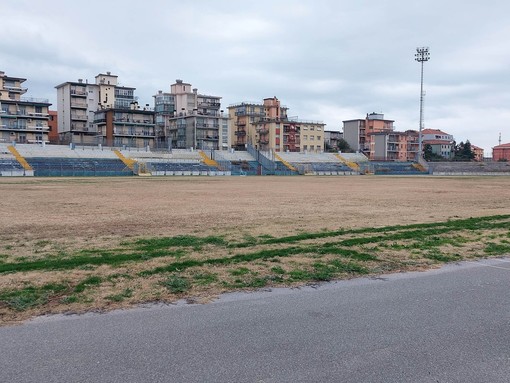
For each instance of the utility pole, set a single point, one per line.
(422, 55)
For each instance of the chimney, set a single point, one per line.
(80, 80)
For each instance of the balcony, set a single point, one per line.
(240, 133)
(263, 131)
(37, 128)
(79, 128)
(34, 100)
(78, 117)
(209, 104)
(78, 105)
(17, 89)
(78, 93)
(125, 133)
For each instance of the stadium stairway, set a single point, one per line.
(208, 161)
(288, 165)
(354, 166)
(23, 162)
(127, 161)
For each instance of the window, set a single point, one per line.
(38, 109)
(318, 138)
(312, 138)
(312, 128)
(305, 137)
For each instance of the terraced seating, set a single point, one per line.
(10, 167)
(244, 168)
(179, 168)
(354, 157)
(460, 168)
(62, 167)
(392, 168)
(64, 151)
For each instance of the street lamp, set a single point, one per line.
(422, 54)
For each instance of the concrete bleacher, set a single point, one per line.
(9, 165)
(220, 155)
(300, 157)
(469, 168)
(66, 167)
(390, 168)
(64, 151)
(317, 163)
(354, 157)
(175, 154)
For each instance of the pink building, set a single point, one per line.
(501, 152)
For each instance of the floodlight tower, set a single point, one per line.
(422, 54)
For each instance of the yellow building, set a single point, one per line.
(267, 127)
(22, 119)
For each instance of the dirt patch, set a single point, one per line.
(55, 218)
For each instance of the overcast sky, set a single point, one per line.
(325, 60)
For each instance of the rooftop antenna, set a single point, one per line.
(499, 138)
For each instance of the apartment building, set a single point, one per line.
(393, 146)
(478, 152)
(78, 102)
(189, 119)
(266, 126)
(22, 119)
(127, 127)
(357, 132)
(53, 127)
(331, 138)
(441, 143)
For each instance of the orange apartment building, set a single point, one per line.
(478, 152)
(501, 152)
(266, 126)
(393, 146)
(358, 133)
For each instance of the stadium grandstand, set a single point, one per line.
(68, 160)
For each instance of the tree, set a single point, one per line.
(463, 152)
(343, 146)
(429, 155)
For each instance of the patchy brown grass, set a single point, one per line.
(45, 219)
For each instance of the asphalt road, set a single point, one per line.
(448, 325)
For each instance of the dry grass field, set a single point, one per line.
(140, 239)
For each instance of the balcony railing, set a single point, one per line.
(35, 100)
(78, 105)
(15, 88)
(82, 117)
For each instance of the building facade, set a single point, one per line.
(331, 138)
(22, 119)
(478, 152)
(189, 119)
(358, 132)
(393, 146)
(441, 143)
(501, 152)
(53, 127)
(78, 102)
(267, 127)
(126, 127)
